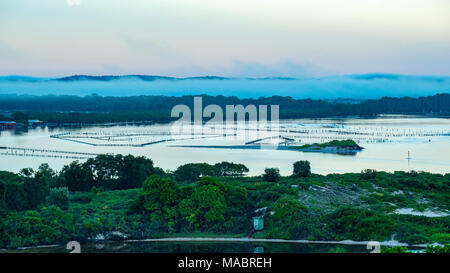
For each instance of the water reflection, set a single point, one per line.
(204, 247)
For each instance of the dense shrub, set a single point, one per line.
(302, 169)
(271, 175)
(193, 171)
(58, 197)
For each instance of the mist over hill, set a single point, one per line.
(363, 86)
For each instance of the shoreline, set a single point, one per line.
(391, 243)
(267, 147)
(77, 125)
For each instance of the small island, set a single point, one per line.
(336, 146)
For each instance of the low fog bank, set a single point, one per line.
(366, 86)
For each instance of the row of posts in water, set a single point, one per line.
(31, 152)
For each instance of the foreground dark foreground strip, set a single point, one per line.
(221, 262)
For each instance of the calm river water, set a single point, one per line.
(387, 142)
(202, 247)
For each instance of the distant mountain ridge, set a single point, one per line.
(357, 86)
(104, 78)
(143, 77)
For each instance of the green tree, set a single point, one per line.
(205, 209)
(76, 177)
(369, 174)
(134, 170)
(302, 168)
(104, 170)
(38, 187)
(159, 198)
(236, 198)
(12, 194)
(230, 169)
(27, 172)
(57, 226)
(58, 197)
(188, 172)
(271, 175)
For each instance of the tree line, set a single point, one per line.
(98, 109)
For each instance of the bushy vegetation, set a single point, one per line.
(193, 171)
(128, 197)
(339, 143)
(438, 249)
(271, 175)
(395, 249)
(334, 143)
(429, 249)
(358, 224)
(58, 197)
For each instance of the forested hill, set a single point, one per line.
(158, 108)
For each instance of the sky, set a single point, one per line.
(237, 38)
